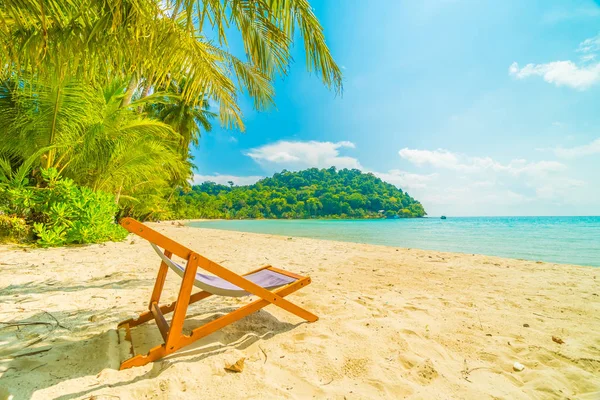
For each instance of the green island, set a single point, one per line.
(312, 193)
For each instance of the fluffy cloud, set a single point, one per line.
(405, 180)
(467, 185)
(445, 159)
(561, 73)
(578, 151)
(299, 155)
(566, 73)
(437, 158)
(225, 179)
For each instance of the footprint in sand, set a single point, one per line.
(425, 372)
(408, 332)
(312, 337)
(413, 308)
(422, 369)
(408, 360)
(355, 367)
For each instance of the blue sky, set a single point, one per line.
(472, 107)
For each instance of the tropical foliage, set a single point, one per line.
(59, 211)
(154, 42)
(187, 119)
(312, 193)
(109, 96)
(84, 133)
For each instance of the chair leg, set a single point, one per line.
(160, 281)
(156, 353)
(183, 300)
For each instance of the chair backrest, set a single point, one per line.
(158, 239)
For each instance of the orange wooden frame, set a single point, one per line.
(173, 337)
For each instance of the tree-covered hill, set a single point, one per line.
(312, 193)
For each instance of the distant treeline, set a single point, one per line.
(312, 193)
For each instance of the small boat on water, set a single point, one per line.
(443, 217)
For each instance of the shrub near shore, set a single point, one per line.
(57, 212)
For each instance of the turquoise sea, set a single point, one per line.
(571, 240)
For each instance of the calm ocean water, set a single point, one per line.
(572, 240)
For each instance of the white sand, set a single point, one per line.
(395, 323)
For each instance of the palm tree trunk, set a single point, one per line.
(133, 84)
(52, 152)
(118, 196)
(145, 92)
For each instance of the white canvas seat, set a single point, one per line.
(265, 278)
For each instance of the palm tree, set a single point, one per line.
(187, 119)
(57, 54)
(88, 137)
(43, 115)
(164, 40)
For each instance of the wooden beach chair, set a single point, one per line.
(270, 284)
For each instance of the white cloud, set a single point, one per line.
(299, 155)
(557, 188)
(405, 180)
(560, 73)
(224, 179)
(483, 184)
(445, 159)
(589, 45)
(437, 158)
(578, 151)
(471, 200)
(566, 73)
(467, 185)
(588, 58)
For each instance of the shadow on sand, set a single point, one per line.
(69, 352)
(51, 285)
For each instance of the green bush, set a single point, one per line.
(13, 229)
(62, 212)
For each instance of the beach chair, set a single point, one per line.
(270, 284)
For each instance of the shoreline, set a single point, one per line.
(537, 260)
(29, 247)
(447, 253)
(394, 323)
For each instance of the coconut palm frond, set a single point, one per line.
(160, 40)
(267, 28)
(38, 115)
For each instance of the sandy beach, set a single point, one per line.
(394, 323)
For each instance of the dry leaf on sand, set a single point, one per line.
(237, 367)
(557, 340)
